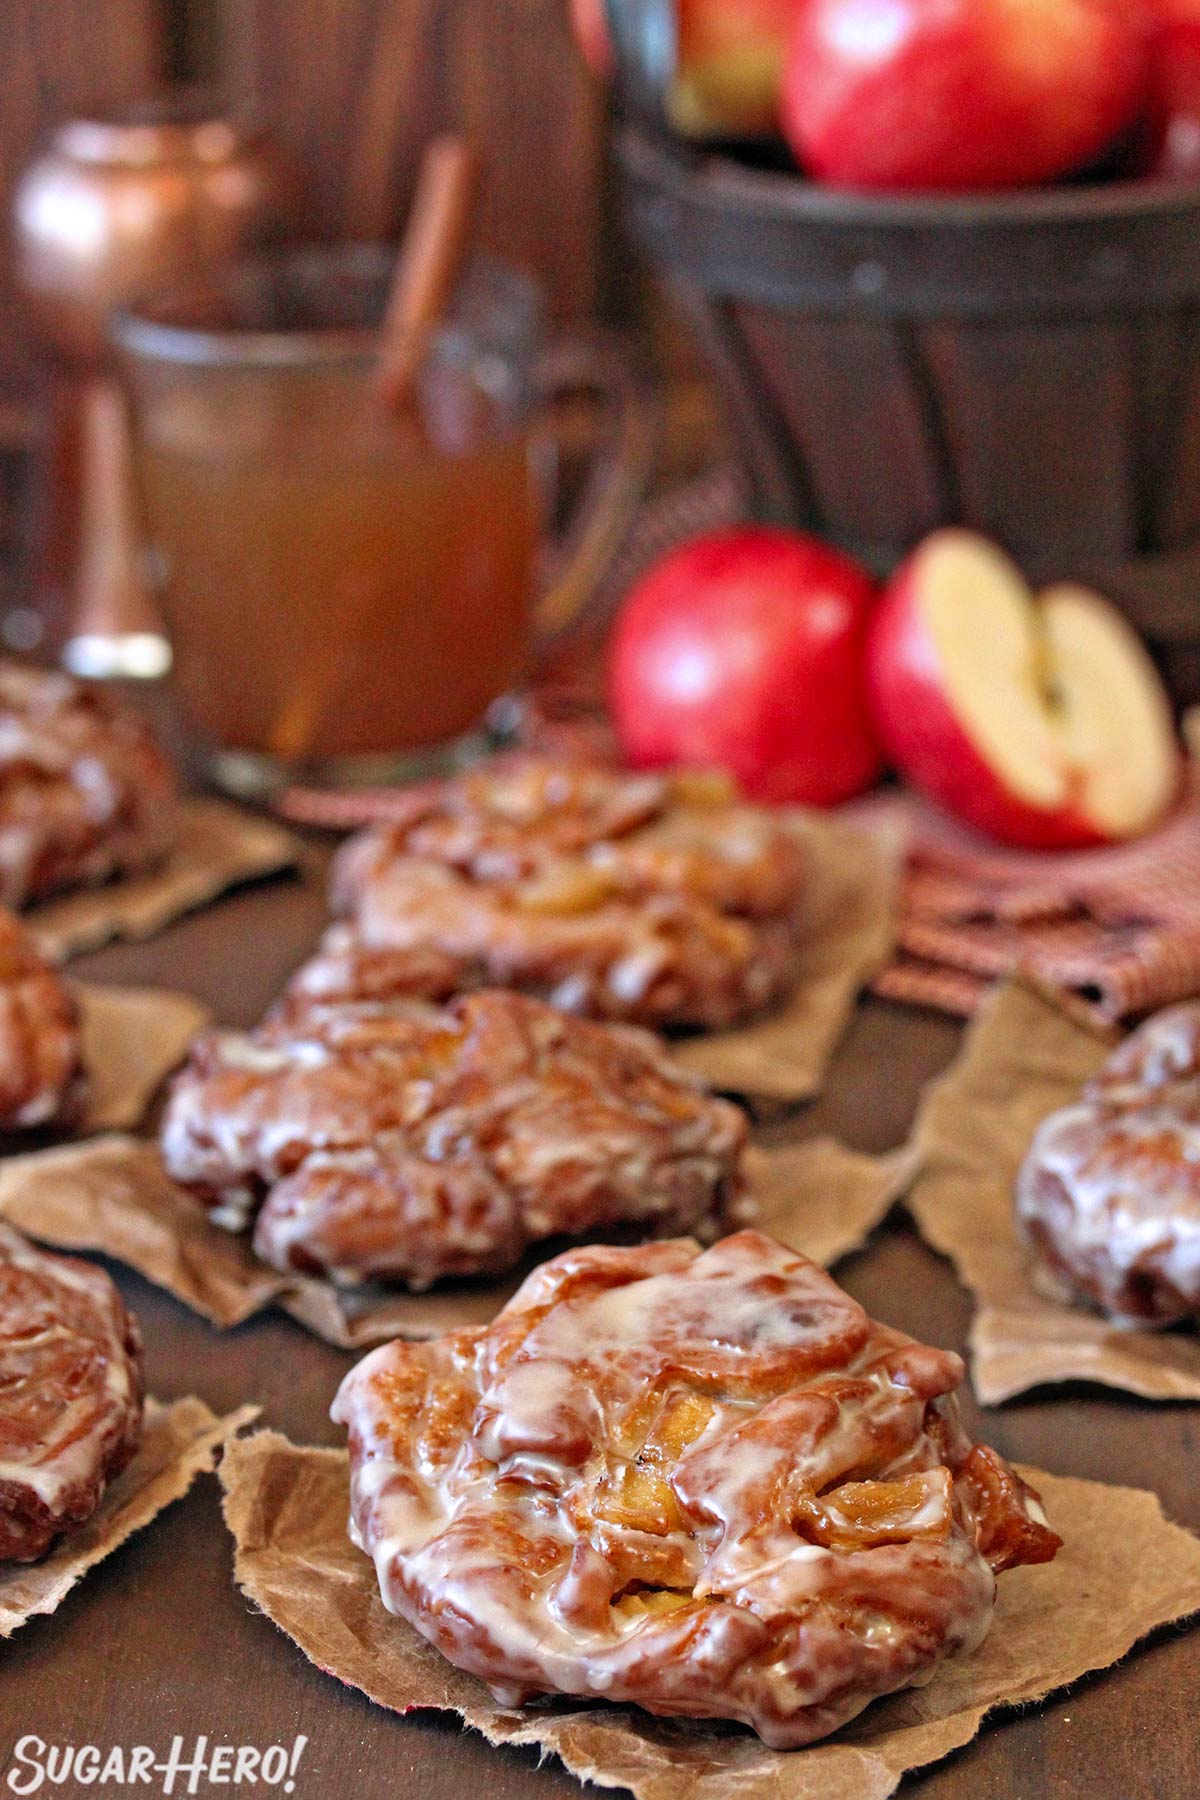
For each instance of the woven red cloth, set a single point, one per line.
(1120, 927)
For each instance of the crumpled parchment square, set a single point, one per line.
(179, 1442)
(1028, 1053)
(848, 934)
(287, 1508)
(217, 847)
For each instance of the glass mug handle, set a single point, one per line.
(582, 555)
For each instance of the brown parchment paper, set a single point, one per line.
(218, 847)
(180, 1441)
(286, 1508)
(1028, 1052)
(132, 1039)
(113, 1195)
(849, 934)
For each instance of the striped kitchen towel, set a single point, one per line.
(1120, 927)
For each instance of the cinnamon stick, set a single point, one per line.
(429, 263)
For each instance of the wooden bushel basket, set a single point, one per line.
(1028, 364)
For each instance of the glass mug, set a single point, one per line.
(348, 591)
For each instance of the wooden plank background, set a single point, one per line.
(353, 88)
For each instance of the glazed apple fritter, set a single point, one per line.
(71, 1378)
(85, 791)
(653, 899)
(41, 1052)
(704, 1483)
(395, 1141)
(1109, 1194)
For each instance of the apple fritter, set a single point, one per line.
(704, 1483)
(41, 1053)
(1109, 1194)
(71, 1378)
(398, 1141)
(85, 791)
(655, 899)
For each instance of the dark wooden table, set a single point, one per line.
(157, 1641)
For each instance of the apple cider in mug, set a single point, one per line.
(372, 604)
(348, 589)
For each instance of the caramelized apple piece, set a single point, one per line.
(636, 1495)
(638, 1499)
(682, 1420)
(565, 888)
(704, 787)
(650, 1600)
(862, 1513)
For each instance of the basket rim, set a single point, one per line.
(718, 178)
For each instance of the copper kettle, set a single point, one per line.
(114, 207)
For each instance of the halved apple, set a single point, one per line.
(1040, 722)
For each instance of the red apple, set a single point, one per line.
(1173, 113)
(729, 66)
(1039, 722)
(960, 94)
(745, 650)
